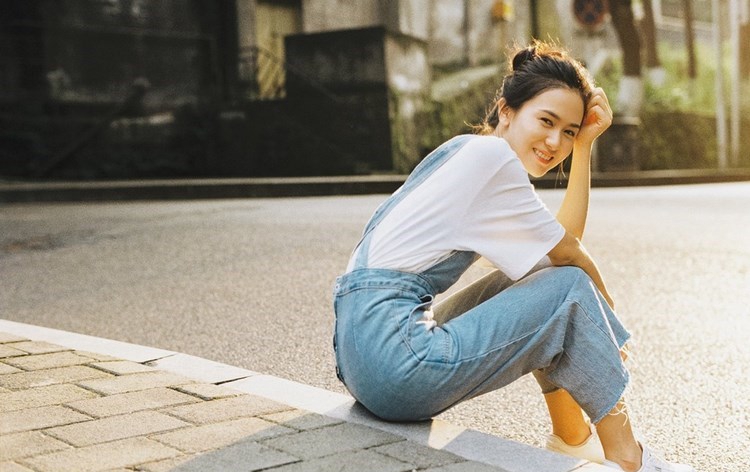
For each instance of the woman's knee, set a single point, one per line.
(572, 272)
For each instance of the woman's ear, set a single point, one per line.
(504, 114)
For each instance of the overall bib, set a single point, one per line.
(402, 364)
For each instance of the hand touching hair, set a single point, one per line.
(535, 69)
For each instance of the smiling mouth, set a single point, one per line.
(543, 156)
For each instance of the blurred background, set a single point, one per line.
(126, 89)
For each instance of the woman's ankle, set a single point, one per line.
(568, 422)
(618, 440)
(573, 436)
(629, 460)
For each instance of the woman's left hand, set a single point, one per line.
(597, 119)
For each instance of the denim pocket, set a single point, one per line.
(335, 346)
(418, 322)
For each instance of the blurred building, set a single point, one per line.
(93, 88)
(338, 86)
(169, 88)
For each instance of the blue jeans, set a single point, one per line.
(402, 365)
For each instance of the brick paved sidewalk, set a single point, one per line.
(63, 409)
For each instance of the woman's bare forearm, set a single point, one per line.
(570, 252)
(575, 206)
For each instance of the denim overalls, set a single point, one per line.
(402, 365)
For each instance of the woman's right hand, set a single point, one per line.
(570, 252)
(596, 120)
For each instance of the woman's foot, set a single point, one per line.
(652, 463)
(590, 449)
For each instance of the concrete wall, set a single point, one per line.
(409, 17)
(331, 15)
(397, 16)
(246, 23)
(408, 78)
(377, 81)
(447, 40)
(457, 31)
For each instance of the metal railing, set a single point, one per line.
(262, 74)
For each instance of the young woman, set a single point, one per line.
(544, 310)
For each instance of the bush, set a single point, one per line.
(678, 118)
(673, 139)
(448, 117)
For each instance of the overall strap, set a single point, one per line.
(424, 169)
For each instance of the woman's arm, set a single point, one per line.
(575, 206)
(570, 252)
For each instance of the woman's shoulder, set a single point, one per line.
(490, 150)
(486, 144)
(493, 158)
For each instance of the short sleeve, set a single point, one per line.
(506, 222)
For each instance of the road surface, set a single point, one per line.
(248, 283)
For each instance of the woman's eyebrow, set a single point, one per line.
(555, 116)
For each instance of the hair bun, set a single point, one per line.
(523, 56)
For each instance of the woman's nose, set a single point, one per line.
(553, 140)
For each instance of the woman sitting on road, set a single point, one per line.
(544, 310)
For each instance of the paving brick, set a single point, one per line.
(470, 466)
(123, 367)
(215, 435)
(8, 369)
(96, 356)
(247, 456)
(7, 351)
(17, 446)
(40, 378)
(422, 457)
(167, 465)
(47, 361)
(115, 427)
(124, 453)
(13, 467)
(300, 419)
(208, 391)
(331, 440)
(38, 347)
(226, 408)
(10, 338)
(42, 396)
(38, 418)
(351, 460)
(151, 399)
(134, 382)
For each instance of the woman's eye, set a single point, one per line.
(570, 133)
(547, 121)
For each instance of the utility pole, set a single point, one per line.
(721, 120)
(690, 40)
(735, 16)
(468, 56)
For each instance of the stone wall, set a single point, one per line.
(359, 90)
(457, 31)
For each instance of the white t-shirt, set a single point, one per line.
(479, 200)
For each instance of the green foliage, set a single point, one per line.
(678, 118)
(673, 139)
(455, 114)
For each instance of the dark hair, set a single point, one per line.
(536, 69)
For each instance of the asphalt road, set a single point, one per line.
(248, 283)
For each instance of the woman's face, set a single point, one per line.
(543, 129)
